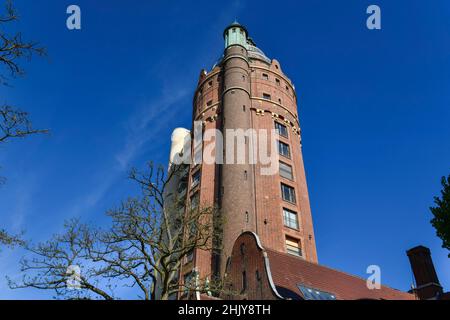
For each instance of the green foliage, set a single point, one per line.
(441, 213)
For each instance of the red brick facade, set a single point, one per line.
(247, 91)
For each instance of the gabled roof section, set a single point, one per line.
(289, 272)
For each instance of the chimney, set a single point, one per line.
(427, 282)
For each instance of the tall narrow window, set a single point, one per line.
(190, 256)
(283, 149)
(195, 179)
(244, 281)
(293, 247)
(188, 282)
(195, 201)
(290, 219)
(287, 193)
(281, 129)
(277, 81)
(286, 171)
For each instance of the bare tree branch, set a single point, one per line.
(12, 46)
(147, 243)
(15, 124)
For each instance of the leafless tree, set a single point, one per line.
(12, 46)
(149, 239)
(14, 123)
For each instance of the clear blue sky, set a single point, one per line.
(374, 109)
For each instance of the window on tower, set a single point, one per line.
(290, 219)
(286, 171)
(283, 149)
(265, 76)
(189, 282)
(281, 129)
(267, 96)
(189, 256)
(293, 246)
(287, 193)
(195, 201)
(244, 281)
(195, 179)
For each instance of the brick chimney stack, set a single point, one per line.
(427, 282)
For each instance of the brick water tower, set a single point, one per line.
(247, 90)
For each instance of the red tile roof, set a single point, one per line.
(289, 271)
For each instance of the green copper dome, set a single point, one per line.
(235, 24)
(236, 33)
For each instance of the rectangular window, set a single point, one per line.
(190, 256)
(209, 103)
(195, 179)
(195, 201)
(290, 219)
(244, 281)
(265, 76)
(287, 193)
(293, 247)
(267, 96)
(277, 81)
(188, 282)
(281, 129)
(286, 171)
(283, 149)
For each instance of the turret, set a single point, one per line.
(237, 183)
(235, 34)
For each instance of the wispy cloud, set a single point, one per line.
(145, 124)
